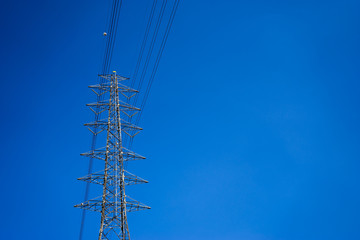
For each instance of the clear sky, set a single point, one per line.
(251, 131)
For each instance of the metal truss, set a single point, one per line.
(98, 178)
(113, 204)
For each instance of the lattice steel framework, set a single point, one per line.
(113, 204)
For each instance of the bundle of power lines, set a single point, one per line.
(146, 65)
(141, 79)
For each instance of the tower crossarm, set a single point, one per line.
(101, 125)
(98, 178)
(96, 205)
(106, 104)
(104, 122)
(108, 86)
(109, 77)
(100, 154)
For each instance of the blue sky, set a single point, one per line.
(251, 130)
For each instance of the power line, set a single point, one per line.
(157, 61)
(151, 47)
(148, 56)
(158, 58)
(141, 53)
(143, 44)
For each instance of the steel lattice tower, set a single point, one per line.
(113, 204)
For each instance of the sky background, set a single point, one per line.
(251, 130)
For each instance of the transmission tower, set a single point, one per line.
(113, 204)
